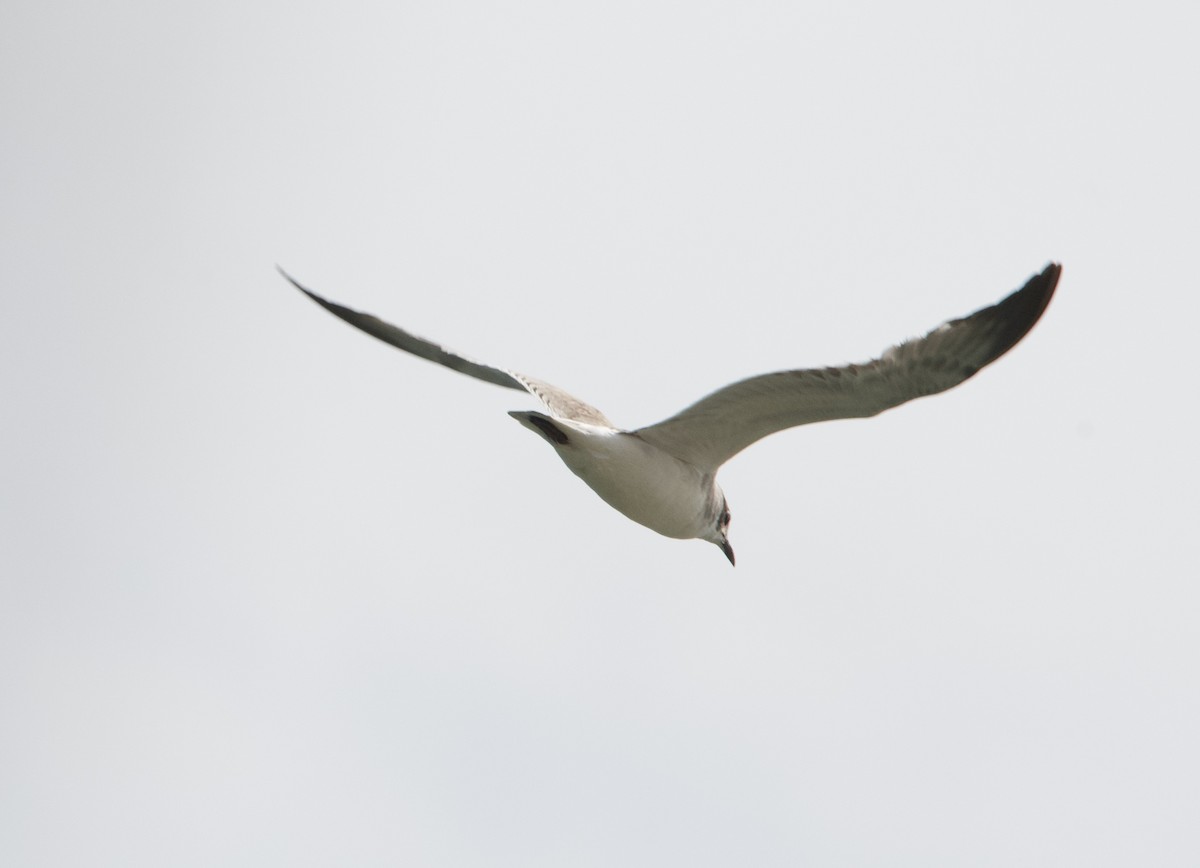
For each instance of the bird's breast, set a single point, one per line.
(641, 481)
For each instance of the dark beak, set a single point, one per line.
(728, 549)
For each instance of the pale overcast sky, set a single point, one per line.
(274, 594)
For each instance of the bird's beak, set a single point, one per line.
(728, 549)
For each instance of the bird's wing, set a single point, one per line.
(715, 428)
(558, 402)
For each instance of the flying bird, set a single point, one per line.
(665, 476)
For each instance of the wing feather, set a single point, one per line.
(715, 428)
(558, 402)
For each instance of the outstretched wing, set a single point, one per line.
(715, 428)
(558, 402)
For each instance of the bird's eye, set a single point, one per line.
(725, 518)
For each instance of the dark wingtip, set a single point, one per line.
(1017, 314)
(297, 284)
(289, 278)
(1044, 284)
(1032, 298)
(345, 313)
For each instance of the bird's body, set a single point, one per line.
(663, 476)
(634, 477)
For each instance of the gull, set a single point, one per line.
(664, 476)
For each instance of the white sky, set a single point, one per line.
(272, 593)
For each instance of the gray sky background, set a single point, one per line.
(272, 593)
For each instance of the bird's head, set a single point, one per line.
(718, 534)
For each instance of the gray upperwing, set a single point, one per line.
(715, 428)
(558, 402)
